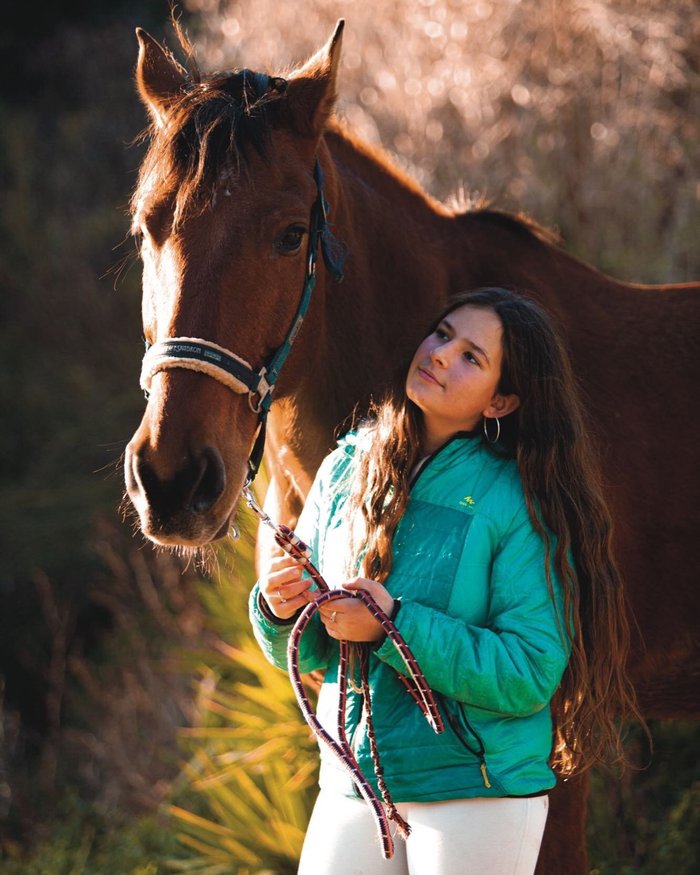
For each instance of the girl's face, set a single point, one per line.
(453, 378)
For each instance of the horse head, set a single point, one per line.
(222, 211)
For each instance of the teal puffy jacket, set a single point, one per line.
(476, 612)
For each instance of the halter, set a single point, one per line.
(196, 354)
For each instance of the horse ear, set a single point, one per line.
(311, 91)
(159, 77)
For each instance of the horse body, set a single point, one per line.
(636, 350)
(231, 272)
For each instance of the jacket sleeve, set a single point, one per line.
(273, 637)
(514, 663)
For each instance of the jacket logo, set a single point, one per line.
(468, 501)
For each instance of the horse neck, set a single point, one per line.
(396, 268)
(395, 278)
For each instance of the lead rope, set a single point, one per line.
(415, 683)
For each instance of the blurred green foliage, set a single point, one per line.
(253, 760)
(84, 842)
(69, 343)
(71, 610)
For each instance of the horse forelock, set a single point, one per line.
(211, 130)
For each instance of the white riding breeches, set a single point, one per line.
(499, 836)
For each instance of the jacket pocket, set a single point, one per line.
(469, 738)
(427, 551)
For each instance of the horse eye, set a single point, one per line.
(157, 223)
(289, 241)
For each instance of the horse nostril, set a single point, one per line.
(210, 483)
(194, 488)
(140, 478)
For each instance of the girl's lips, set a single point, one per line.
(428, 376)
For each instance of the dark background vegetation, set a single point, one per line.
(585, 114)
(89, 701)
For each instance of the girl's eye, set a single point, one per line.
(471, 358)
(439, 333)
(289, 241)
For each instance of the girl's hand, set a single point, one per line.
(350, 619)
(283, 588)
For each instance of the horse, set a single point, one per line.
(225, 201)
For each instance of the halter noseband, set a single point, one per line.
(196, 354)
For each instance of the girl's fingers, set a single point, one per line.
(290, 575)
(330, 611)
(285, 607)
(292, 589)
(377, 590)
(283, 587)
(285, 575)
(370, 586)
(328, 618)
(292, 605)
(282, 563)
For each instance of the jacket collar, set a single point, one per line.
(460, 444)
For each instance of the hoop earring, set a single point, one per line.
(498, 430)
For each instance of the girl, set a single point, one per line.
(470, 508)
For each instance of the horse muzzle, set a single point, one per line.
(185, 508)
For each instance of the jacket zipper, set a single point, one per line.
(429, 459)
(479, 753)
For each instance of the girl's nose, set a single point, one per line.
(440, 354)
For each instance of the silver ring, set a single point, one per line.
(333, 616)
(282, 598)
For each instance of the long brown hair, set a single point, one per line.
(561, 479)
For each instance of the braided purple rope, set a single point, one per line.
(415, 683)
(339, 747)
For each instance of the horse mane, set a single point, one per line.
(212, 127)
(519, 224)
(378, 166)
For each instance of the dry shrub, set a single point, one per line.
(585, 114)
(125, 699)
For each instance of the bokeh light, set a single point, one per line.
(544, 107)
